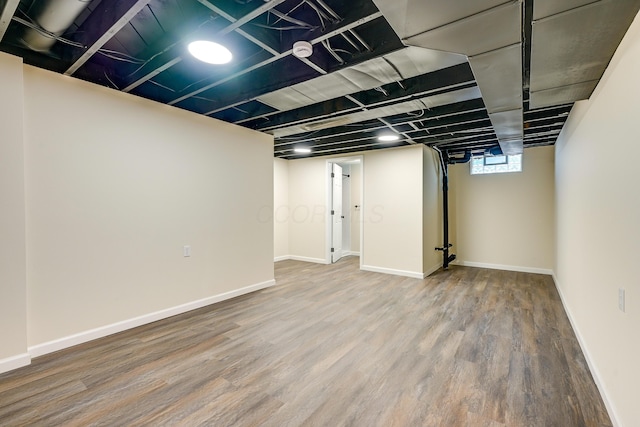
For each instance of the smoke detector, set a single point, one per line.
(302, 49)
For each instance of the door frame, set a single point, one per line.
(328, 192)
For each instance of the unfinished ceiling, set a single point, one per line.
(458, 75)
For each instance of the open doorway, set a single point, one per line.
(344, 224)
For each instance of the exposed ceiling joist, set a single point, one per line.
(8, 8)
(102, 25)
(360, 79)
(415, 87)
(342, 27)
(233, 20)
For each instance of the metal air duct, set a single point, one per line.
(489, 33)
(54, 17)
(573, 42)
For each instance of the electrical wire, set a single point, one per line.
(288, 18)
(160, 85)
(299, 136)
(269, 27)
(46, 33)
(317, 10)
(327, 46)
(111, 81)
(118, 58)
(210, 19)
(381, 90)
(112, 54)
(291, 11)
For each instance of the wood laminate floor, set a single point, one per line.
(329, 346)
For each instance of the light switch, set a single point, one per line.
(186, 251)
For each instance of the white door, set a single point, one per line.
(336, 213)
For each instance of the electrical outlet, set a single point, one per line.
(621, 301)
(186, 251)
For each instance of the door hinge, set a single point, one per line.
(333, 175)
(332, 250)
(333, 212)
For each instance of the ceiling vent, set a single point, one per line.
(54, 17)
(302, 49)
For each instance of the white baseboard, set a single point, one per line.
(595, 373)
(14, 362)
(413, 274)
(307, 259)
(431, 270)
(303, 258)
(535, 270)
(82, 337)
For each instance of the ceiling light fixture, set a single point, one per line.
(390, 137)
(302, 49)
(302, 150)
(210, 52)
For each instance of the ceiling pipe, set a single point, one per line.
(447, 257)
(54, 17)
(464, 159)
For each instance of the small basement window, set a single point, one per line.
(496, 164)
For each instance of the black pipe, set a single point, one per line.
(447, 258)
(464, 159)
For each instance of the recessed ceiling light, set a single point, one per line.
(388, 137)
(302, 150)
(210, 52)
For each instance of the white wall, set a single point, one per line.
(356, 199)
(115, 186)
(506, 220)
(13, 305)
(396, 194)
(281, 208)
(307, 209)
(393, 181)
(346, 212)
(598, 223)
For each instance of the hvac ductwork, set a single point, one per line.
(489, 33)
(572, 44)
(54, 17)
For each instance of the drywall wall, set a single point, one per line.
(356, 200)
(13, 305)
(391, 207)
(432, 231)
(307, 209)
(346, 211)
(115, 187)
(506, 220)
(392, 215)
(598, 228)
(280, 209)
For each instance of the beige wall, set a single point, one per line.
(393, 227)
(115, 186)
(392, 216)
(432, 230)
(506, 220)
(307, 208)
(356, 199)
(13, 305)
(281, 208)
(598, 222)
